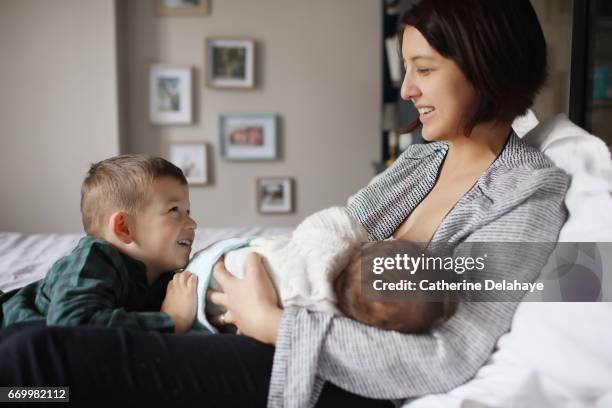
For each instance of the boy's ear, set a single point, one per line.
(120, 227)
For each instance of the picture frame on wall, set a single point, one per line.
(170, 95)
(171, 8)
(248, 136)
(191, 158)
(230, 62)
(274, 195)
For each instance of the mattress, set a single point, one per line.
(25, 258)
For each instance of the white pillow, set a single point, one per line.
(557, 354)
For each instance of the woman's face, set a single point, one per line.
(437, 87)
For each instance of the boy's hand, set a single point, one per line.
(181, 300)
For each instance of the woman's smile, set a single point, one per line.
(425, 113)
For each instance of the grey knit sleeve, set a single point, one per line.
(312, 347)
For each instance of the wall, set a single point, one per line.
(318, 68)
(58, 107)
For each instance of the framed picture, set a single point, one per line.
(192, 158)
(170, 95)
(248, 136)
(274, 195)
(181, 7)
(230, 63)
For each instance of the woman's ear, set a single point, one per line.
(121, 228)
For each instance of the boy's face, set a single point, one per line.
(164, 230)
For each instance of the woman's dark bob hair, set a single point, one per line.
(498, 45)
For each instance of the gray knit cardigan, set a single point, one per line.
(520, 198)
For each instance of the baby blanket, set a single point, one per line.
(302, 265)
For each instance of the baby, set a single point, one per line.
(135, 211)
(318, 267)
(411, 312)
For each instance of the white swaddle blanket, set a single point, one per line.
(302, 266)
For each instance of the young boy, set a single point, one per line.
(135, 212)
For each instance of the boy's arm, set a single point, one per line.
(88, 287)
(159, 321)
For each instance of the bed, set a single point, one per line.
(25, 258)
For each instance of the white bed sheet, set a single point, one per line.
(25, 258)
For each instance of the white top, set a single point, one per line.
(304, 264)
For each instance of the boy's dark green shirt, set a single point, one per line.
(95, 284)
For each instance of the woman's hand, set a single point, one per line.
(251, 302)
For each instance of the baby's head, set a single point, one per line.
(140, 204)
(411, 315)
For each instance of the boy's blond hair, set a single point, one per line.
(121, 183)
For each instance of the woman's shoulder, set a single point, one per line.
(522, 169)
(517, 154)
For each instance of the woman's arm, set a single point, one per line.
(312, 347)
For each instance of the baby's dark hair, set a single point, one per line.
(414, 313)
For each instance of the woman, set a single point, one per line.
(472, 66)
